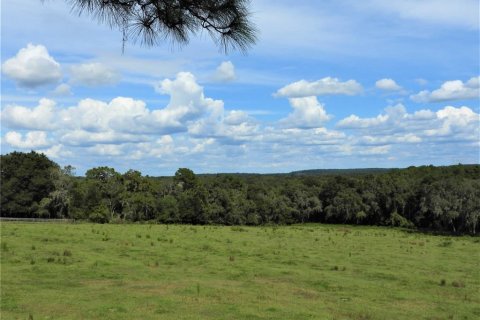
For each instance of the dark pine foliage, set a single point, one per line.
(155, 21)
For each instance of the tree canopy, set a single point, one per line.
(26, 179)
(434, 198)
(154, 21)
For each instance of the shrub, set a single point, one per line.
(99, 215)
(446, 243)
(396, 220)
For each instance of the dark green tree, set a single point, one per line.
(185, 179)
(25, 181)
(58, 202)
(106, 183)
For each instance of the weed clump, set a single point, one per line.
(458, 284)
(238, 229)
(446, 243)
(443, 282)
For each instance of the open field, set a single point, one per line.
(91, 271)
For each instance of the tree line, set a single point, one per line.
(442, 199)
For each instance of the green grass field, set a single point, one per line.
(90, 271)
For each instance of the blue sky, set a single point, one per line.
(330, 84)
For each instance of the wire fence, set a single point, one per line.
(37, 220)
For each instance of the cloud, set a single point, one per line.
(225, 72)
(32, 67)
(106, 150)
(40, 117)
(325, 86)
(57, 151)
(396, 125)
(33, 139)
(307, 113)
(421, 81)
(451, 90)
(227, 127)
(88, 138)
(236, 117)
(454, 121)
(387, 85)
(187, 100)
(93, 74)
(122, 120)
(198, 132)
(62, 90)
(296, 137)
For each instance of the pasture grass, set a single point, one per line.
(92, 271)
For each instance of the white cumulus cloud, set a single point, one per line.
(32, 67)
(40, 117)
(388, 85)
(325, 86)
(397, 125)
(307, 113)
(33, 139)
(93, 74)
(451, 90)
(62, 89)
(187, 100)
(225, 72)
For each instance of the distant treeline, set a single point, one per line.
(442, 199)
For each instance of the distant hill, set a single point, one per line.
(324, 172)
